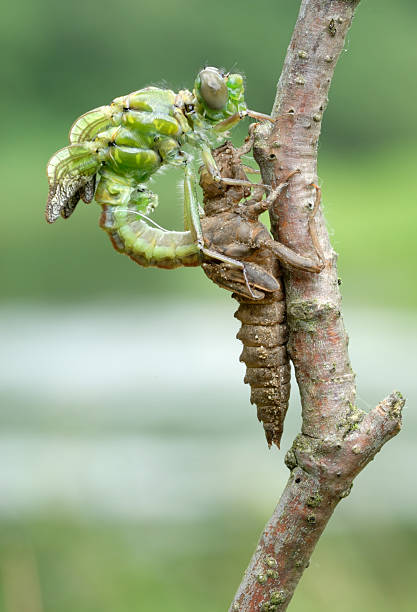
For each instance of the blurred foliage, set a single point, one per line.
(67, 58)
(64, 59)
(107, 567)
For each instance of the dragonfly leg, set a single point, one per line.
(291, 258)
(192, 220)
(249, 141)
(260, 116)
(230, 122)
(233, 120)
(213, 170)
(192, 223)
(284, 253)
(257, 206)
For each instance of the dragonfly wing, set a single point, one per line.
(70, 204)
(90, 124)
(71, 173)
(87, 193)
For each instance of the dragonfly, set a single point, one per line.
(115, 149)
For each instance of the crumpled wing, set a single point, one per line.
(71, 176)
(87, 193)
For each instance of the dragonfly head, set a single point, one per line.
(219, 94)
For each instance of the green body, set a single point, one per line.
(123, 203)
(115, 149)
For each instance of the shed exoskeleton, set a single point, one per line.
(231, 227)
(115, 149)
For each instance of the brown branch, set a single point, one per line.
(337, 439)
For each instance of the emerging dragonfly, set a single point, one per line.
(122, 145)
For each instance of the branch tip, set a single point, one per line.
(393, 405)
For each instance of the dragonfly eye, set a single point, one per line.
(213, 88)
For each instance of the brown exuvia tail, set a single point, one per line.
(264, 337)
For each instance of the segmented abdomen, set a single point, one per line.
(148, 246)
(124, 217)
(264, 337)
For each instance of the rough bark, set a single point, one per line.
(337, 439)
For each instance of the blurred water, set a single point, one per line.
(141, 412)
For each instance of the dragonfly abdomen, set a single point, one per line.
(125, 219)
(264, 337)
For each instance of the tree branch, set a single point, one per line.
(337, 439)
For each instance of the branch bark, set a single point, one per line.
(337, 439)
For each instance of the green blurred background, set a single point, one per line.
(133, 473)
